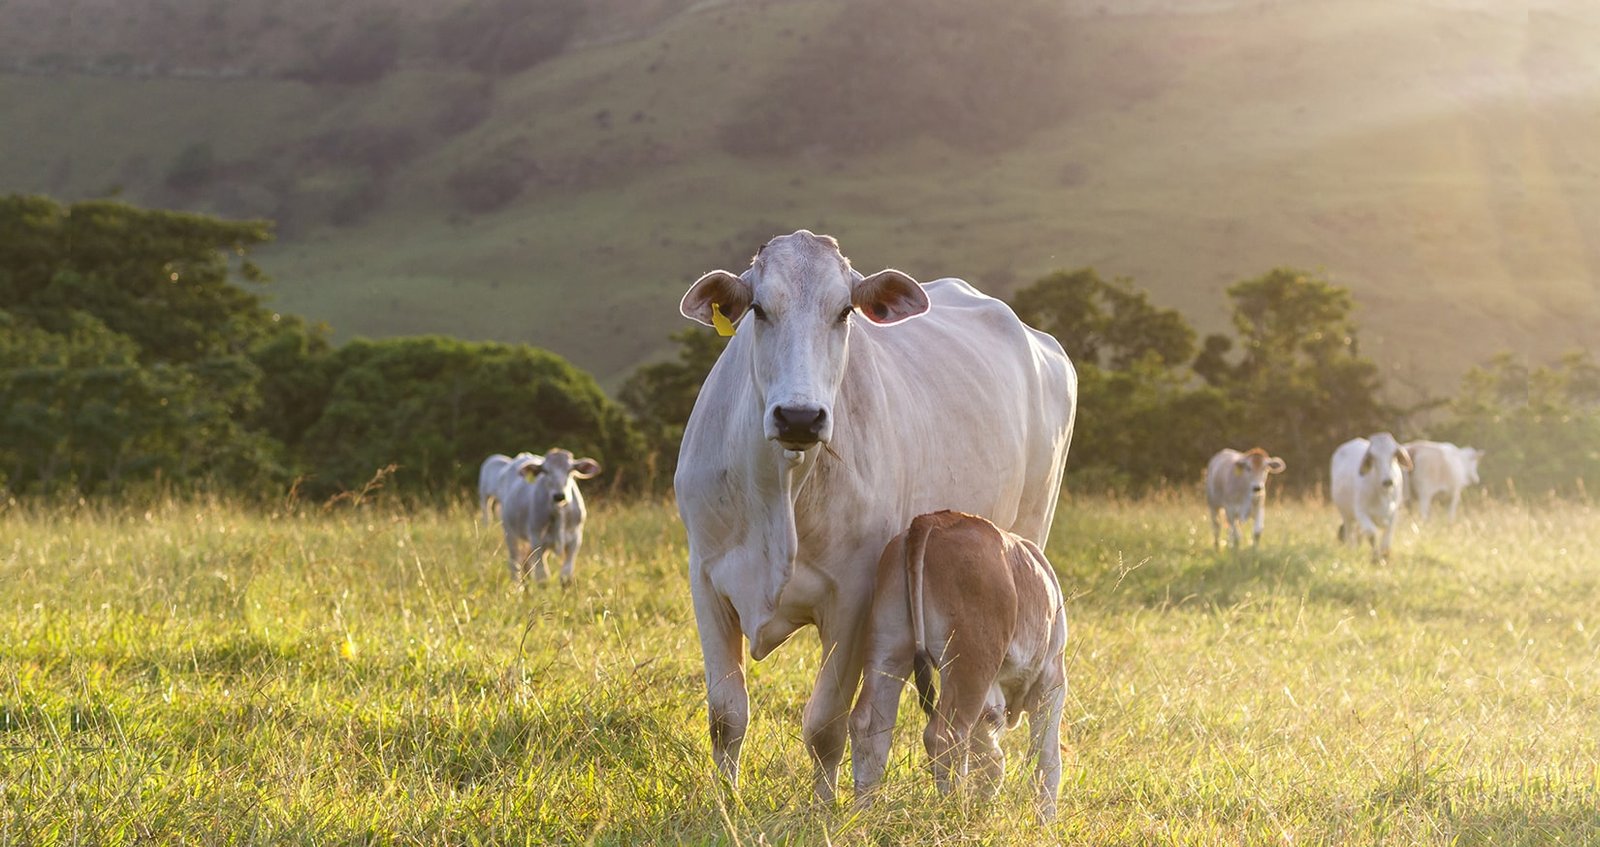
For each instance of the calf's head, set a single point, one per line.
(556, 469)
(801, 296)
(1382, 452)
(1256, 465)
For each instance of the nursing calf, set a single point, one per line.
(545, 510)
(983, 606)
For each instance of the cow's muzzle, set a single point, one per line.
(1258, 489)
(559, 497)
(799, 427)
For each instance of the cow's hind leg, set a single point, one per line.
(1044, 747)
(570, 557)
(727, 701)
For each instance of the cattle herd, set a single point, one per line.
(881, 459)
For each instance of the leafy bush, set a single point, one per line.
(437, 406)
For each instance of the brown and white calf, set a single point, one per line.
(1236, 485)
(982, 605)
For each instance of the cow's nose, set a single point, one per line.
(559, 496)
(1388, 483)
(1257, 489)
(799, 424)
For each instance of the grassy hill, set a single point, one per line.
(1433, 156)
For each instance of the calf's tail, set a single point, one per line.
(922, 659)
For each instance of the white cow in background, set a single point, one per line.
(545, 509)
(493, 475)
(1365, 481)
(844, 406)
(1440, 467)
(1236, 485)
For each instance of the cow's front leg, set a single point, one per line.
(886, 666)
(826, 721)
(514, 556)
(574, 540)
(1259, 513)
(727, 701)
(536, 562)
(1216, 530)
(1455, 500)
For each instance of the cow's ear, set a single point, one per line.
(1276, 465)
(1404, 457)
(1241, 466)
(585, 468)
(1366, 463)
(888, 297)
(532, 467)
(731, 294)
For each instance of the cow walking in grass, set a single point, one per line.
(1366, 486)
(1439, 467)
(844, 406)
(1236, 487)
(544, 510)
(983, 606)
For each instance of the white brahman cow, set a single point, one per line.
(1439, 467)
(1236, 485)
(545, 509)
(1365, 482)
(845, 406)
(982, 605)
(493, 475)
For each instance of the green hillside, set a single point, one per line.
(1433, 156)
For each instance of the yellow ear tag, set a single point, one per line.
(720, 321)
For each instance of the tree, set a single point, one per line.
(1110, 324)
(1540, 425)
(128, 348)
(1301, 383)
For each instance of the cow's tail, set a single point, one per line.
(922, 659)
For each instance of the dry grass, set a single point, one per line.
(205, 673)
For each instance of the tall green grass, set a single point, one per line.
(206, 673)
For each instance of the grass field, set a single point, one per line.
(207, 673)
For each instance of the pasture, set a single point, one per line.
(203, 672)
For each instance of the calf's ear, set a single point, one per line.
(1241, 466)
(732, 294)
(1276, 465)
(888, 297)
(585, 468)
(1366, 463)
(1405, 458)
(531, 467)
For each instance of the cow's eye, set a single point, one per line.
(760, 313)
(845, 315)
